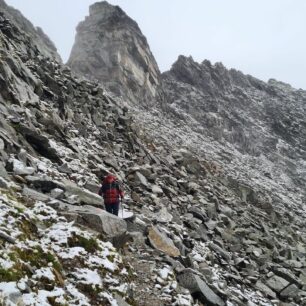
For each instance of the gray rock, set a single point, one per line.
(111, 162)
(35, 195)
(157, 190)
(1, 144)
(265, 289)
(161, 242)
(3, 172)
(163, 216)
(83, 196)
(129, 68)
(20, 168)
(120, 301)
(56, 193)
(103, 222)
(3, 183)
(287, 275)
(39, 143)
(93, 187)
(64, 168)
(290, 291)
(198, 213)
(141, 179)
(277, 283)
(198, 287)
(224, 254)
(94, 218)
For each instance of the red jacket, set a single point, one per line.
(111, 190)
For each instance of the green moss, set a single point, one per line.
(10, 275)
(131, 302)
(90, 245)
(111, 258)
(52, 301)
(37, 257)
(28, 229)
(55, 263)
(20, 210)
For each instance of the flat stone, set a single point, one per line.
(224, 254)
(19, 168)
(157, 190)
(199, 288)
(163, 216)
(277, 283)
(288, 275)
(35, 195)
(198, 213)
(95, 218)
(93, 187)
(120, 301)
(56, 193)
(161, 242)
(290, 291)
(111, 162)
(3, 183)
(265, 289)
(293, 264)
(84, 196)
(64, 168)
(141, 178)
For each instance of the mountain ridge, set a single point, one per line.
(211, 220)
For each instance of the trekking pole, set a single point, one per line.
(122, 207)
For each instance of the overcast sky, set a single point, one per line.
(264, 38)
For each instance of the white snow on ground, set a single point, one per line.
(41, 297)
(97, 261)
(109, 298)
(164, 272)
(72, 253)
(44, 273)
(183, 300)
(87, 277)
(49, 248)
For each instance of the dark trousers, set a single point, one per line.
(112, 208)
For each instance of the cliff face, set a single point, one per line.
(110, 48)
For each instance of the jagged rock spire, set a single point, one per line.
(110, 47)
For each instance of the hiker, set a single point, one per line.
(111, 191)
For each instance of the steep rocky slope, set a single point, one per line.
(260, 123)
(197, 236)
(110, 47)
(43, 45)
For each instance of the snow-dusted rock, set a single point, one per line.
(20, 168)
(198, 287)
(163, 216)
(83, 196)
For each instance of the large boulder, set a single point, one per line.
(83, 196)
(103, 222)
(161, 242)
(199, 289)
(94, 218)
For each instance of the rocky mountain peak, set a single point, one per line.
(105, 10)
(110, 47)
